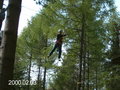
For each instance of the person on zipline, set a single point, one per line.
(58, 43)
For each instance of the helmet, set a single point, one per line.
(60, 30)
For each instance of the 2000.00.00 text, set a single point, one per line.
(21, 82)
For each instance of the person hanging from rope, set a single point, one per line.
(58, 43)
(2, 16)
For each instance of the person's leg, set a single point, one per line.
(53, 50)
(60, 51)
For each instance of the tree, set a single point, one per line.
(83, 63)
(9, 43)
(113, 64)
(84, 24)
(33, 42)
(1, 3)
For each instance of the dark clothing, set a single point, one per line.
(58, 45)
(60, 38)
(59, 48)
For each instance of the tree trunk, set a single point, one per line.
(9, 43)
(44, 79)
(29, 71)
(81, 52)
(84, 67)
(1, 5)
(45, 68)
(88, 73)
(39, 77)
(96, 79)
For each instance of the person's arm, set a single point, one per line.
(64, 35)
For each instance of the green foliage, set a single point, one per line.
(95, 18)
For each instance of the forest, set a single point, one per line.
(90, 57)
